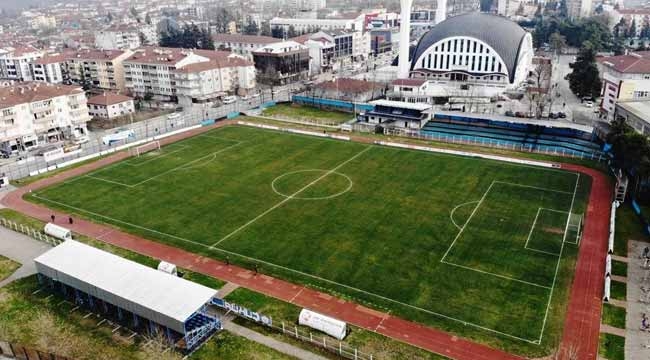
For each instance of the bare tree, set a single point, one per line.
(539, 95)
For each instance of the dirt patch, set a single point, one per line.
(554, 230)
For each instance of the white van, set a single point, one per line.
(173, 116)
(229, 99)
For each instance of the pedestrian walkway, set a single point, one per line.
(227, 289)
(22, 249)
(270, 342)
(636, 341)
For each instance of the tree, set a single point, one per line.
(109, 17)
(520, 10)
(266, 29)
(631, 32)
(147, 19)
(620, 29)
(557, 42)
(221, 18)
(584, 80)
(270, 77)
(143, 38)
(251, 27)
(133, 12)
(541, 74)
(191, 37)
(291, 33)
(486, 5)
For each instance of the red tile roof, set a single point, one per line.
(634, 63)
(52, 59)
(106, 99)
(28, 92)
(634, 11)
(96, 54)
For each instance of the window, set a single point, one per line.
(455, 46)
(429, 64)
(453, 60)
(474, 46)
(435, 61)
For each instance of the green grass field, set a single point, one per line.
(307, 114)
(477, 247)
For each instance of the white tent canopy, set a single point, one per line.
(149, 293)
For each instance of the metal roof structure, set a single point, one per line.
(160, 297)
(503, 35)
(558, 124)
(401, 104)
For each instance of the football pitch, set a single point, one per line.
(482, 248)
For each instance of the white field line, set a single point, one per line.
(535, 187)
(180, 167)
(451, 214)
(153, 158)
(440, 315)
(288, 198)
(532, 228)
(467, 222)
(497, 275)
(557, 266)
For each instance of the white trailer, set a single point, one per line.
(57, 231)
(330, 326)
(168, 268)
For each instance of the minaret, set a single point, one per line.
(404, 39)
(441, 11)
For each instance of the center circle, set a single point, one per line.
(318, 177)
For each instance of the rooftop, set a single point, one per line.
(96, 54)
(281, 47)
(27, 92)
(108, 98)
(640, 109)
(402, 105)
(167, 299)
(164, 55)
(409, 82)
(635, 62)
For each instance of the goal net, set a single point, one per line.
(145, 148)
(574, 228)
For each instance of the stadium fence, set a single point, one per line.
(36, 234)
(472, 140)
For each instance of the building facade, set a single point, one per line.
(282, 63)
(473, 55)
(126, 37)
(243, 45)
(624, 78)
(579, 8)
(34, 113)
(110, 106)
(16, 62)
(100, 69)
(49, 69)
(172, 74)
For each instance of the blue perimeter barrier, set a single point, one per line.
(233, 114)
(207, 122)
(336, 104)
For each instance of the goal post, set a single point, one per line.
(145, 148)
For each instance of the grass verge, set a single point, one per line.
(618, 290)
(614, 316)
(612, 347)
(619, 268)
(307, 114)
(7, 267)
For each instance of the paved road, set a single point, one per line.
(22, 249)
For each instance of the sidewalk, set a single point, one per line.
(583, 318)
(21, 249)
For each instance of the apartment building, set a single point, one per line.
(579, 8)
(624, 78)
(321, 53)
(303, 25)
(282, 62)
(243, 45)
(16, 62)
(49, 68)
(102, 69)
(126, 37)
(33, 113)
(637, 16)
(187, 76)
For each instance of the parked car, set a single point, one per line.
(589, 104)
(510, 113)
(520, 114)
(561, 115)
(173, 116)
(553, 116)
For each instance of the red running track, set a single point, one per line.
(581, 328)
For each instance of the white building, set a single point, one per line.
(243, 45)
(307, 25)
(49, 68)
(42, 22)
(35, 113)
(636, 16)
(579, 8)
(126, 37)
(102, 69)
(624, 78)
(15, 62)
(109, 106)
(186, 76)
(472, 55)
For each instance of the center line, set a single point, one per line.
(290, 197)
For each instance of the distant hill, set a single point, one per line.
(22, 4)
